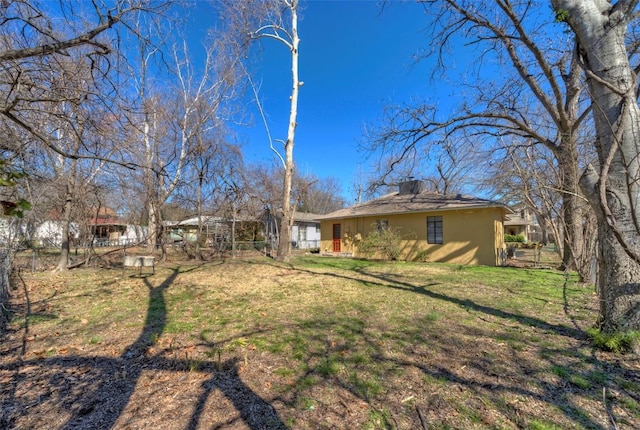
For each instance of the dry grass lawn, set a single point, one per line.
(318, 343)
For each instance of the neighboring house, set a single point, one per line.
(434, 227)
(134, 235)
(305, 231)
(101, 228)
(522, 222)
(49, 233)
(105, 228)
(213, 227)
(216, 230)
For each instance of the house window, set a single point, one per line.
(434, 229)
(302, 234)
(382, 225)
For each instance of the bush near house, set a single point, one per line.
(383, 243)
(518, 238)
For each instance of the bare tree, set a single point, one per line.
(445, 166)
(308, 194)
(612, 185)
(80, 131)
(170, 128)
(277, 20)
(318, 195)
(538, 94)
(211, 178)
(56, 83)
(528, 175)
(545, 101)
(149, 131)
(34, 36)
(236, 203)
(211, 158)
(264, 182)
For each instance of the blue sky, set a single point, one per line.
(355, 58)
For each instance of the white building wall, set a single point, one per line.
(49, 233)
(308, 235)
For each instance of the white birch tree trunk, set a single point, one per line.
(284, 245)
(150, 182)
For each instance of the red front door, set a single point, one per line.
(336, 238)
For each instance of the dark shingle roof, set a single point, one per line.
(396, 203)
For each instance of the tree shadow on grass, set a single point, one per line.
(387, 281)
(498, 383)
(339, 364)
(254, 410)
(94, 392)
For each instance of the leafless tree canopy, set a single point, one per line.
(542, 72)
(41, 46)
(525, 85)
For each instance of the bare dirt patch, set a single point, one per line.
(321, 343)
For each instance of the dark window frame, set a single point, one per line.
(435, 230)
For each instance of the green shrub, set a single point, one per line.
(422, 256)
(620, 342)
(385, 241)
(514, 238)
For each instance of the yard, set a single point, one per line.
(318, 343)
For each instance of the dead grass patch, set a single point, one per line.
(318, 343)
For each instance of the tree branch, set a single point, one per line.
(57, 150)
(50, 48)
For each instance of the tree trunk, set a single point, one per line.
(149, 175)
(152, 241)
(65, 248)
(200, 222)
(577, 250)
(617, 284)
(63, 262)
(233, 230)
(284, 245)
(570, 223)
(612, 187)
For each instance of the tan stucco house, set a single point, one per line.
(434, 227)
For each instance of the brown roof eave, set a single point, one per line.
(372, 214)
